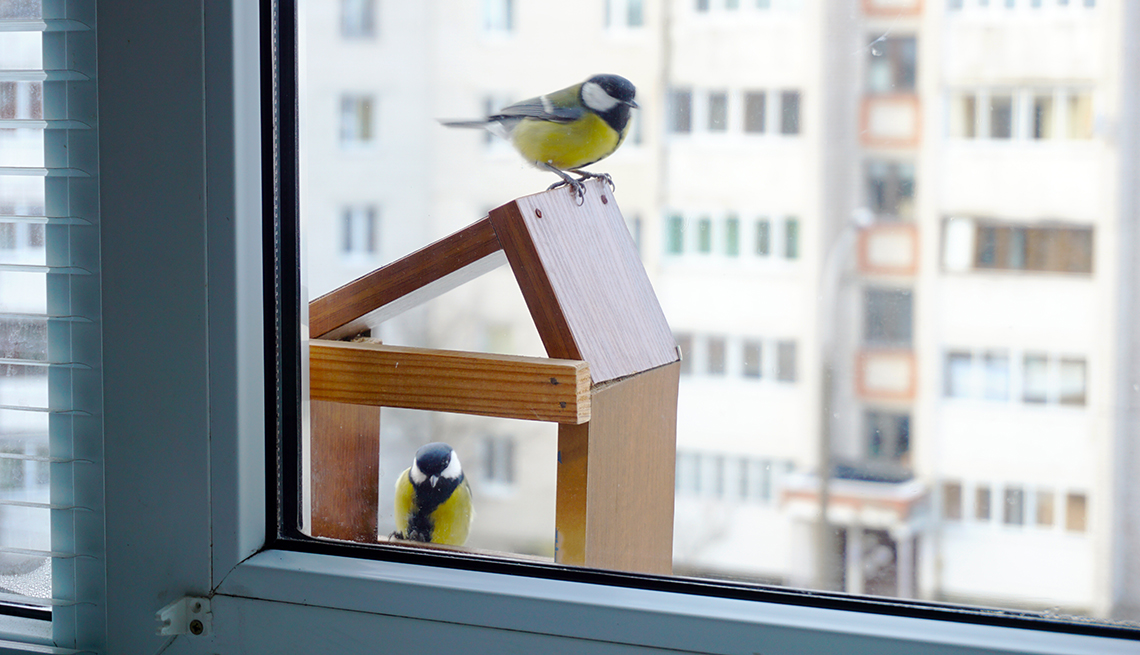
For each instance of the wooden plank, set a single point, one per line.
(614, 505)
(582, 279)
(530, 388)
(345, 451)
(406, 283)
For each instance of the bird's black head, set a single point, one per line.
(435, 462)
(611, 97)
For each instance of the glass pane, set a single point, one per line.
(798, 259)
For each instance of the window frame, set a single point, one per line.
(272, 594)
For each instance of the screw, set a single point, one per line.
(196, 627)
(563, 404)
(553, 380)
(605, 200)
(538, 213)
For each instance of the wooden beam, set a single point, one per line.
(529, 388)
(585, 286)
(345, 450)
(405, 283)
(614, 507)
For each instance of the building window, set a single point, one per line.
(887, 317)
(625, 13)
(704, 235)
(1072, 382)
(498, 460)
(753, 359)
(790, 112)
(675, 234)
(1013, 509)
(995, 376)
(964, 116)
(732, 236)
(1001, 117)
(715, 355)
(763, 237)
(358, 18)
(681, 111)
(1076, 512)
(357, 119)
(982, 502)
(888, 435)
(786, 361)
(1080, 114)
(754, 111)
(958, 374)
(1044, 507)
(791, 238)
(952, 501)
(1026, 248)
(498, 16)
(890, 189)
(1035, 378)
(359, 230)
(893, 65)
(702, 6)
(1044, 117)
(718, 111)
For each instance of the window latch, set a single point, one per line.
(186, 616)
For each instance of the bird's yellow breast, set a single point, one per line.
(451, 520)
(567, 146)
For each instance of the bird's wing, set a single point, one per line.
(559, 107)
(404, 502)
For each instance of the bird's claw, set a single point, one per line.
(576, 187)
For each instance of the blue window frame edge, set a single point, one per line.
(187, 475)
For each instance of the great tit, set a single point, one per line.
(433, 499)
(569, 129)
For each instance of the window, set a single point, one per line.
(888, 436)
(1044, 118)
(675, 235)
(995, 376)
(625, 13)
(685, 344)
(732, 236)
(786, 361)
(702, 6)
(357, 119)
(887, 317)
(754, 110)
(982, 502)
(1035, 373)
(716, 356)
(893, 65)
(959, 373)
(1044, 508)
(1001, 117)
(498, 460)
(1072, 383)
(1080, 125)
(358, 18)
(952, 501)
(704, 235)
(718, 111)
(498, 16)
(790, 112)
(681, 111)
(890, 189)
(1076, 512)
(791, 238)
(964, 116)
(360, 226)
(763, 237)
(1032, 248)
(753, 359)
(1013, 509)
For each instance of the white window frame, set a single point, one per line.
(185, 465)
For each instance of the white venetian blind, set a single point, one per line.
(50, 367)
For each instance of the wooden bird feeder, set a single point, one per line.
(610, 382)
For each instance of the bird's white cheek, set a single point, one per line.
(416, 474)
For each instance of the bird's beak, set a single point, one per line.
(633, 103)
(434, 479)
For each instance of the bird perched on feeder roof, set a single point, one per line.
(569, 129)
(433, 499)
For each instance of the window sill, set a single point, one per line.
(603, 615)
